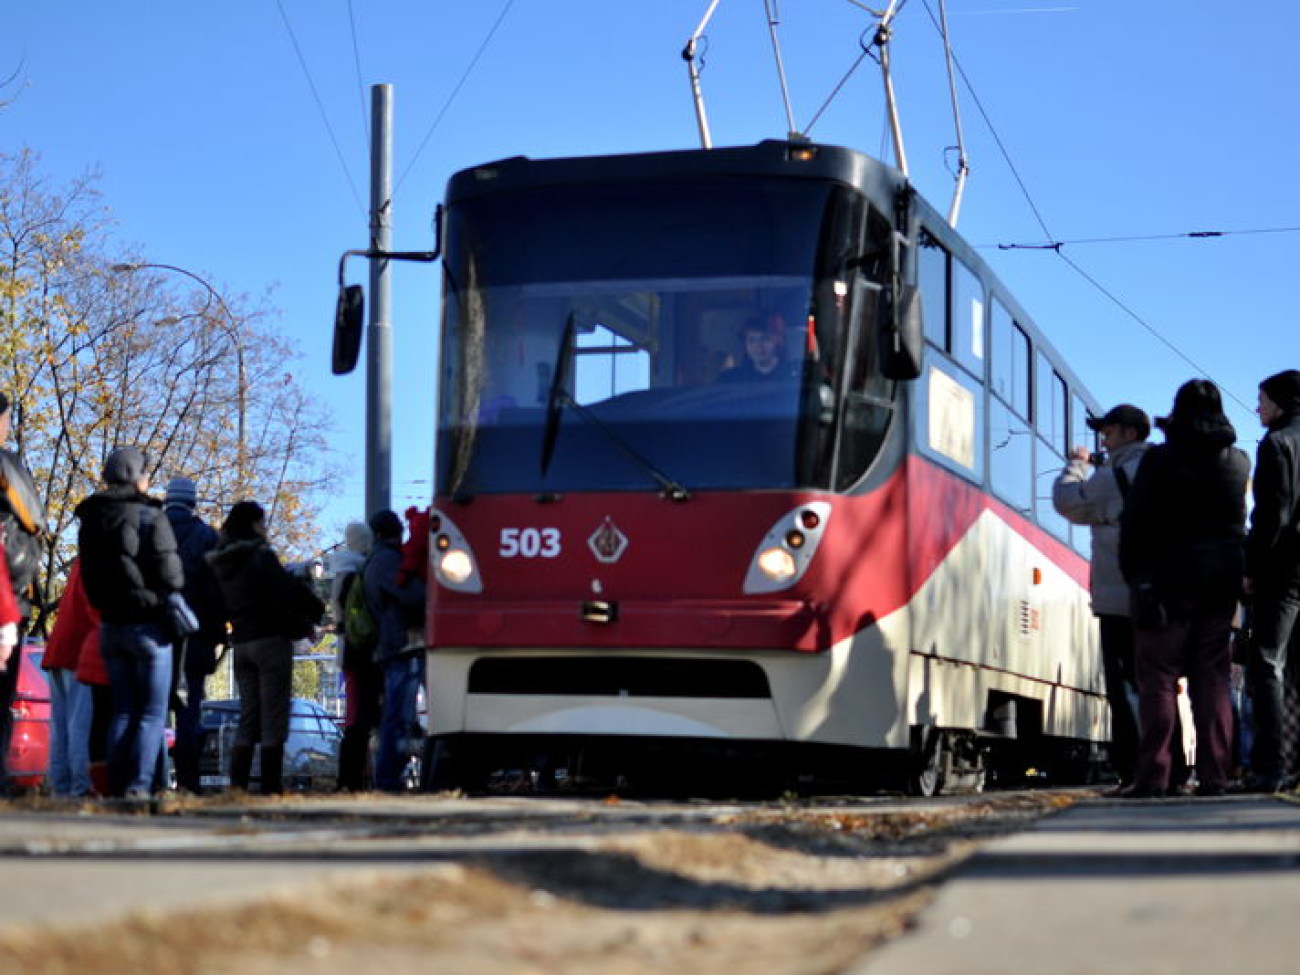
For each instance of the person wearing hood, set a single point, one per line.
(1091, 491)
(1182, 553)
(130, 570)
(268, 609)
(1273, 575)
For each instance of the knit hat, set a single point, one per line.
(1283, 389)
(386, 524)
(4, 402)
(181, 491)
(125, 465)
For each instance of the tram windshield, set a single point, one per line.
(672, 335)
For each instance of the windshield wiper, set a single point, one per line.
(559, 397)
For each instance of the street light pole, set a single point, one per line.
(232, 330)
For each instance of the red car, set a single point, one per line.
(29, 748)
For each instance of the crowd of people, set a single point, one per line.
(1184, 591)
(152, 600)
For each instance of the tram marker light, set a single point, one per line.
(794, 538)
(809, 519)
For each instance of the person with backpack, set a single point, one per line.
(1091, 491)
(268, 609)
(22, 530)
(131, 570)
(362, 682)
(194, 658)
(396, 605)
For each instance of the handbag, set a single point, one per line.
(181, 620)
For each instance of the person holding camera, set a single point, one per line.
(1091, 491)
(1181, 550)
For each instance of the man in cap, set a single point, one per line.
(1091, 491)
(1273, 575)
(195, 657)
(22, 527)
(130, 569)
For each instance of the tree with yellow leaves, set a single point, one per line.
(98, 353)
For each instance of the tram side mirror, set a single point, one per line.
(904, 338)
(347, 329)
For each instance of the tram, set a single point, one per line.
(648, 536)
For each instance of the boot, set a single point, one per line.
(99, 779)
(241, 766)
(272, 770)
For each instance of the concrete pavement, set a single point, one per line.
(1181, 887)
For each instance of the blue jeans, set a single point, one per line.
(139, 662)
(402, 679)
(70, 709)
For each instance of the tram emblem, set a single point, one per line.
(607, 543)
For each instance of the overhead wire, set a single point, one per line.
(454, 92)
(1189, 234)
(356, 61)
(1057, 247)
(320, 105)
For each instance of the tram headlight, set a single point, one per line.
(456, 566)
(777, 564)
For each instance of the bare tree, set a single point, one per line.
(98, 358)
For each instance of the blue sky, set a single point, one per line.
(230, 139)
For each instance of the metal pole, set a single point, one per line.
(379, 337)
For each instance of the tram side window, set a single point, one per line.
(1011, 441)
(1050, 421)
(967, 318)
(1081, 436)
(1049, 415)
(1009, 361)
(932, 279)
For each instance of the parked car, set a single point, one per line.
(29, 746)
(311, 755)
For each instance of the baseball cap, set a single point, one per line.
(1124, 415)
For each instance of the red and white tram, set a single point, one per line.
(640, 540)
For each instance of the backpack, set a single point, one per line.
(22, 524)
(359, 624)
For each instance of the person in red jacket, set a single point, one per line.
(70, 700)
(10, 616)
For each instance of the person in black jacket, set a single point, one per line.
(268, 609)
(1181, 552)
(130, 569)
(1273, 576)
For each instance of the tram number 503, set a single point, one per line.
(529, 543)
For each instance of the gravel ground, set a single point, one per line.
(759, 890)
